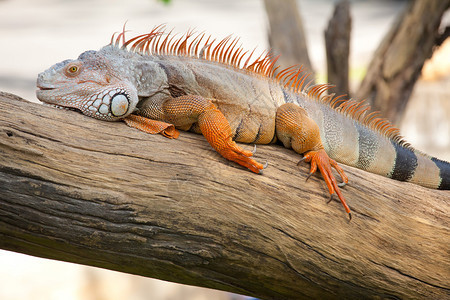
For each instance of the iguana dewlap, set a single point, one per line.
(157, 83)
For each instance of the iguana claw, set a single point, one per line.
(254, 149)
(300, 161)
(331, 198)
(264, 166)
(319, 159)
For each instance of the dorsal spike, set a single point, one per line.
(327, 98)
(132, 42)
(224, 47)
(174, 45)
(248, 59)
(369, 118)
(155, 44)
(272, 67)
(196, 41)
(296, 84)
(208, 49)
(261, 65)
(288, 76)
(217, 48)
(357, 109)
(279, 77)
(240, 58)
(230, 51)
(123, 32)
(162, 49)
(348, 106)
(182, 49)
(312, 91)
(336, 101)
(362, 112)
(264, 67)
(251, 67)
(113, 42)
(302, 83)
(235, 57)
(309, 83)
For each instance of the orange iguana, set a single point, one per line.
(159, 84)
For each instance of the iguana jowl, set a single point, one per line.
(157, 83)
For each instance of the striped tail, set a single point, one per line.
(413, 166)
(354, 144)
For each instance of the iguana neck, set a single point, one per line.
(143, 72)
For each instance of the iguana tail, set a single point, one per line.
(371, 143)
(414, 166)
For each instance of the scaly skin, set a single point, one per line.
(158, 85)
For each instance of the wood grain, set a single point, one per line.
(96, 193)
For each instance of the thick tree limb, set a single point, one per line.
(102, 194)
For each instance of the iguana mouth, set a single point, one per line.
(44, 87)
(62, 107)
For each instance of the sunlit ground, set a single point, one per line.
(37, 34)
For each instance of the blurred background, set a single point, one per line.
(36, 34)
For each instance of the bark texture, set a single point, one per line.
(337, 44)
(398, 60)
(102, 194)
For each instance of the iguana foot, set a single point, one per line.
(296, 130)
(319, 159)
(235, 153)
(152, 126)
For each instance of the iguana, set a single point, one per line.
(159, 83)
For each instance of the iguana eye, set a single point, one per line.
(72, 70)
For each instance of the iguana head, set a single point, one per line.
(90, 85)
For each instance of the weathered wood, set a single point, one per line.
(337, 45)
(102, 194)
(398, 60)
(286, 34)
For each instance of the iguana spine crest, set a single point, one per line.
(225, 52)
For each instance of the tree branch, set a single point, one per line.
(397, 63)
(102, 194)
(337, 45)
(286, 34)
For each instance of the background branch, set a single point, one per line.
(398, 61)
(102, 194)
(286, 34)
(337, 45)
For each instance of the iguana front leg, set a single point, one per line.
(152, 126)
(184, 111)
(297, 131)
